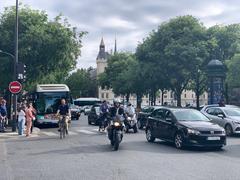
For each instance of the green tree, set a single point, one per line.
(49, 48)
(118, 75)
(233, 65)
(175, 50)
(82, 84)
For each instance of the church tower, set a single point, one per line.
(101, 58)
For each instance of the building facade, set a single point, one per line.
(188, 96)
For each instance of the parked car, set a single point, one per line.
(94, 114)
(75, 112)
(184, 127)
(227, 117)
(143, 115)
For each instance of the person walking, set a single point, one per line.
(29, 119)
(33, 113)
(21, 120)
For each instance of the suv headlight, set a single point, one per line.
(223, 131)
(192, 131)
(236, 122)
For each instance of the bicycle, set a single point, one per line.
(63, 126)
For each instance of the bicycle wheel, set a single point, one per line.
(64, 131)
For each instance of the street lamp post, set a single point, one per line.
(15, 57)
(15, 70)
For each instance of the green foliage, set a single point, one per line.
(48, 48)
(173, 53)
(223, 41)
(117, 75)
(233, 75)
(82, 84)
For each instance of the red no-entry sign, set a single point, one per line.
(15, 87)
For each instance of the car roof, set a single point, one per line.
(217, 105)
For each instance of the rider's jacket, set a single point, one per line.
(114, 111)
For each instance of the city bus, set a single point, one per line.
(47, 98)
(85, 104)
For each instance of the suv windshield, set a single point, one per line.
(189, 115)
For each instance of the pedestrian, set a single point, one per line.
(3, 116)
(29, 119)
(34, 115)
(21, 120)
(4, 106)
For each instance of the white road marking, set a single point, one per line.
(71, 133)
(50, 133)
(86, 131)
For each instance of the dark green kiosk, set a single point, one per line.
(216, 72)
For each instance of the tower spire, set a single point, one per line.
(115, 46)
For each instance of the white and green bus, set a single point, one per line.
(47, 98)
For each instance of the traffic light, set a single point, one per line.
(21, 72)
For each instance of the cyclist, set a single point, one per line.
(64, 110)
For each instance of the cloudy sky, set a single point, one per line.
(129, 20)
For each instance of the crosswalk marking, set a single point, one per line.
(86, 131)
(49, 133)
(71, 133)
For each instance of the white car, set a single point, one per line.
(227, 117)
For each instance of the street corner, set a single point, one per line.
(9, 134)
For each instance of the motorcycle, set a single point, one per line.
(115, 133)
(131, 123)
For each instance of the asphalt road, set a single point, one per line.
(86, 155)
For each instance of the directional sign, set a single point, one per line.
(15, 87)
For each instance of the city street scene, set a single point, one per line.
(119, 90)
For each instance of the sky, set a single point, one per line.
(128, 20)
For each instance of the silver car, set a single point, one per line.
(227, 117)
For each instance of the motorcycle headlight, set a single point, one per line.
(129, 118)
(192, 131)
(116, 124)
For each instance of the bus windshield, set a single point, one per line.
(48, 102)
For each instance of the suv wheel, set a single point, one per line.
(228, 129)
(149, 135)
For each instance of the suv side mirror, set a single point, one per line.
(221, 116)
(169, 119)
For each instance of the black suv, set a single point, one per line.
(184, 127)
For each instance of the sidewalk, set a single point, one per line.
(9, 134)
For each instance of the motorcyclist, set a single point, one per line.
(130, 111)
(103, 114)
(116, 111)
(64, 110)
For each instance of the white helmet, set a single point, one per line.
(116, 100)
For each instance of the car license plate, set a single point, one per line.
(213, 138)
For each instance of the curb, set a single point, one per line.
(9, 133)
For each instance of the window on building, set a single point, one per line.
(165, 96)
(171, 94)
(192, 95)
(185, 95)
(102, 95)
(204, 96)
(106, 95)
